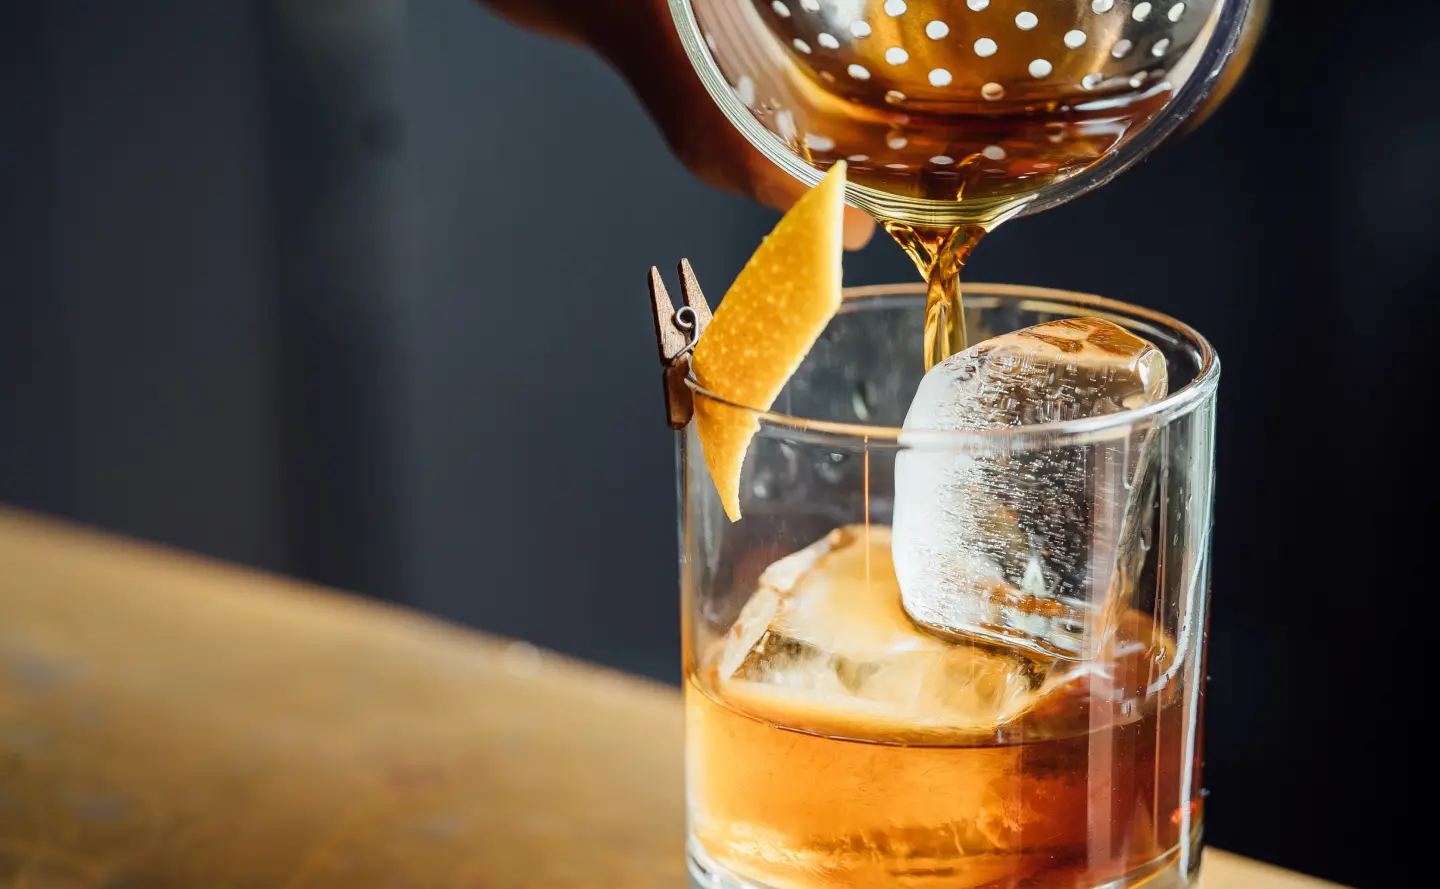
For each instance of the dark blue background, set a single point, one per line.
(352, 290)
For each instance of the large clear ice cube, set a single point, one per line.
(1034, 543)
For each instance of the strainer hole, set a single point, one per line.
(1075, 39)
(745, 90)
(985, 47)
(896, 55)
(1102, 6)
(1161, 46)
(800, 45)
(942, 160)
(977, 5)
(940, 77)
(894, 97)
(992, 91)
(859, 72)
(827, 40)
(937, 30)
(860, 28)
(994, 152)
(1141, 12)
(1121, 49)
(896, 143)
(1026, 20)
(780, 9)
(858, 158)
(1090, 81)
(810, 5)
(1040, 68)
(894, 8)
(817, 142)
(1176, 12)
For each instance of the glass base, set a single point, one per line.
(1166, 872)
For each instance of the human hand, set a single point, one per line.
(638, 38)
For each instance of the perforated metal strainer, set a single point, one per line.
(900, 87)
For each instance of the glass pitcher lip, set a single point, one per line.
(1049, 435)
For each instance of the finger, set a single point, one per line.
(859, 228)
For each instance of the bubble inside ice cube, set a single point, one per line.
(1031, 544)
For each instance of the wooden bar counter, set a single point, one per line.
(167, 722)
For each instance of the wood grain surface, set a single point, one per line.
(172, 723)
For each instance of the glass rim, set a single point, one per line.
(1080, 431)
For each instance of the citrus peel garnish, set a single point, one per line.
(765, 326)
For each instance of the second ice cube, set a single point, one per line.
(1027, 543)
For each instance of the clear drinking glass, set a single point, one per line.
(831, 742)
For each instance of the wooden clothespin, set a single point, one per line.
(676, 331)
